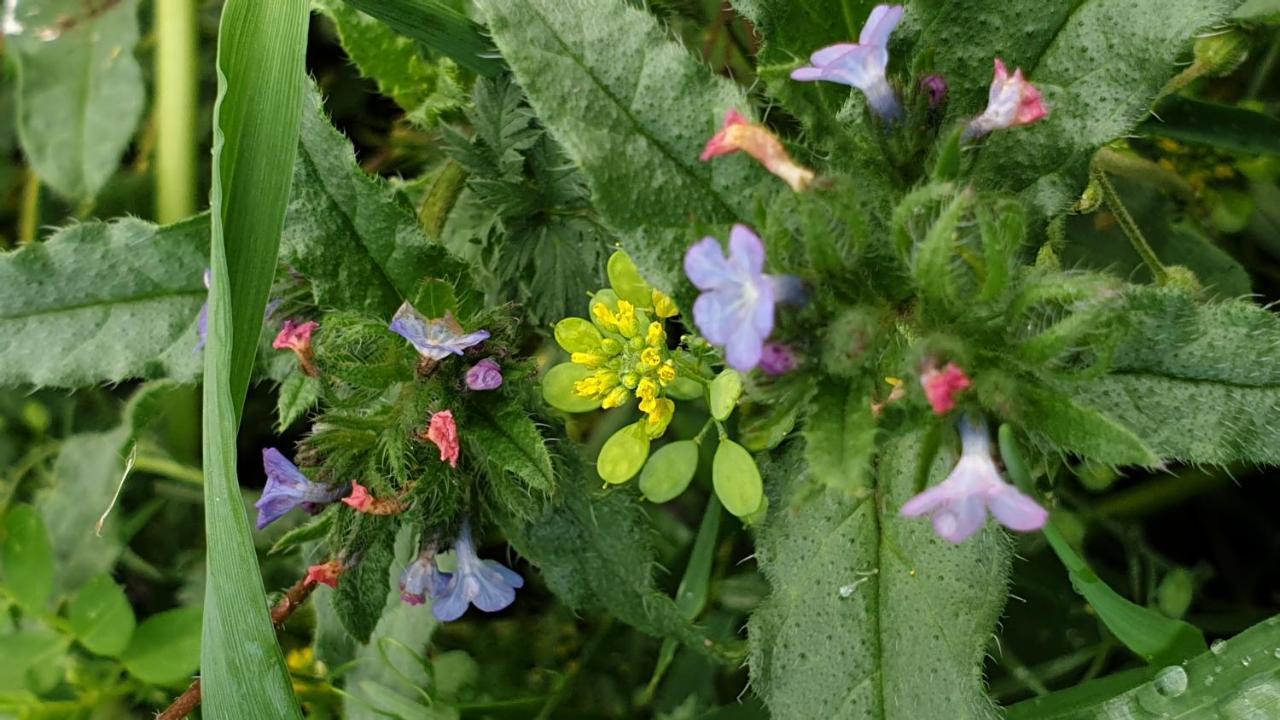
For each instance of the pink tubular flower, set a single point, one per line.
(360, 499)
(959, 504)
(755, 140)
(942, 386)
(296, 336)
(444, 433)
(324, 574)
(1012, 102)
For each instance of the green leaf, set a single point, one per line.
(362, 593)
(101, 617)
(1075, 427)
(1239, 678)
(86, 473)
(1100, 72)
(1266, 11)
(508, 440)
(1230, 128)
(595, 551)
(840, 437)
(422, 85)
(347, 232)
(298, 394)
(103, 302)
(1176, 241)
(314, 529)
(165, 649)
(899, 603)
(261, 86)
(440, 27)
(26, 557)
(434, 298)
(80, 91)
(27, 653)
(633, 110)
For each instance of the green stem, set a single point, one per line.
(1143, 170)
(176, 106)
(1126, 223)
(164, 467)
(29, 220)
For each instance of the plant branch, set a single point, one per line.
(1127, 224)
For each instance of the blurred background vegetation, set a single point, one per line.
(111, 621)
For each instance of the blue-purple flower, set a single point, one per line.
(487, 584)
(287, 488)
(435, 338)
(484, 375)
(422, 579)
(959, 504)
(862, 64)
(735, 310)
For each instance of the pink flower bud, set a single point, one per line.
(1012, 102)
(484, 375)
(942, 386)
(935, 87)
(296, 336)
(756, 140)
(360, 499)
(444, 433)
(324, 574)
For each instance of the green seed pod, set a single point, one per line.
(557, 389)
(736, 479)
(683, 388)
(760, 513)
(577, 335)
(623, 454)
(725, 391)
(627, 282)
(669, 471)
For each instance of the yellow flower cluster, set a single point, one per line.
(633, 359)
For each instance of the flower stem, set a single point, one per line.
(176, 106)
(29, 220)
(1126, 223)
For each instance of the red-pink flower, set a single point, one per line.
(360, 499)
(755, 140)
(942, 386)
(324, 574)
(444, 433)
(1012, 101)
(296, 336)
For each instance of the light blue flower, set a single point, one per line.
(487, 584)
(434, 338)
(422, 579)
(862, 64)
(736, 308)
(287, 488)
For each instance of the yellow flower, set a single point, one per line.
(667, 372)
(647, 389)
(300, 659)
(656, 338)
(659, 417)
(605, 317)
(587, 387)
(663, 305)
(650, 359)
(591, 360)
(626, 319)
(615, 398)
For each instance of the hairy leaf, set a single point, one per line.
(440, 26)
(356, 241)
(865, 603)
(509, 441)
(362, 594)
(840, 437)
(80, 91)
(1100, 73)
(424, 86)
(633, 110)
(298, 394)
(103, 302)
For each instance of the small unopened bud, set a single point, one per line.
(935, 89)
(1220, 54)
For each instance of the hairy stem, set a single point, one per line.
(1126, 223)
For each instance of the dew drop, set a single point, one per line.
(846, 591)
(1171, 681)
(1246, 660)
(1218, 647)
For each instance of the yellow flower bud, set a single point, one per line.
(591, 360)
(587, 387)
(626, 319)
(659, 417)
(630, 380)
(663, 305)
(605, 317)
(615, 398)
(656, 337)
(607, 379)
(667, 372)
(610, 347)
(650, 359)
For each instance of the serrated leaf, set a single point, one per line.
(26, 558)
(595, 550)
(507, 439)
(165, 648)
(298, 394)
(80, 91)
(314, 529)
(902, 603)
(633, 110)
(101, 617)
(348, 233)
(362, 592)
(840, 437)
(1100, 73)
(103, 302)
(425, 87)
